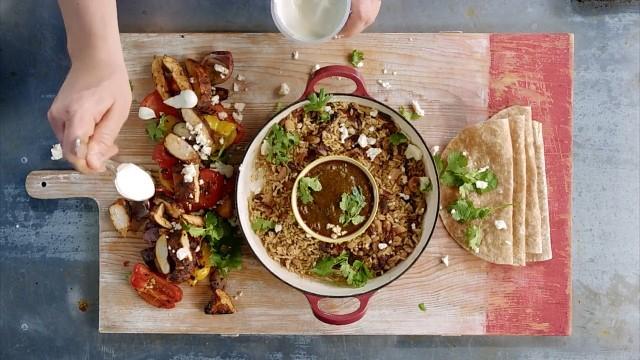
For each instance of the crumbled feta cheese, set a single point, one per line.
(384, 70)
(445, 260)
(416, 108)
(435, 149)
(222, 115)
(382, 246)
(373, 113)
(146, 113)
(182, 253)
(176, 226)
(395, 73)
(453, 211)
(344, 133)
(384, 84)
(465, 153)
(277, 228)
(413, 226)
(192, 80)
(264, 148)
(481, 184)
(371, 141)
(201, 182)
(403, 179)
(236, 87)
(237, 117)
(56, 152)
(215, 99)
(316, 67)
(362, 141)
(500, 224)
(206, 150)
(240, 77)
(226, 104)
(284, 89)
(413, 152)
(295, 55)
(373, 152)
(187, 99)
(222, 168)
(404, 196)
(196, 147)
(221, 69)
(371, 128)
(360, 64)
(189, 172)
(483, 169)
(328, 109)
(239, 106)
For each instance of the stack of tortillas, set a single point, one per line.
(510, 143)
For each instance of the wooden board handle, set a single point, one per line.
(49, 184)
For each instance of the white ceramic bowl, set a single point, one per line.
(247, 178)
(283, 13)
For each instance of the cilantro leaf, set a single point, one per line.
(439, 163)
(226, 253)
(473, 235)
(157, 131)
(357, 57)
(305, 186)
(318, 103)
(422, 307)
(487, 176)
(408, 113)
(356, 274)
(463, 210)
(398, 138)
(260, 225)
(351, 205)
(456, 161)
(457, 173)
(280, 143)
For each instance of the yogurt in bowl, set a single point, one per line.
(310, 20)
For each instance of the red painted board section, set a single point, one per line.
(537, 70)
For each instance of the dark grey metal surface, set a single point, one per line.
(48, 249)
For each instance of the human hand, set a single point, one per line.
(92, 105)
(363, 14)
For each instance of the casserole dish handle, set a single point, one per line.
(339, 319)
(336, 70)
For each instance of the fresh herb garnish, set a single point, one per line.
(357, 57)
(305, 187)
(463, 211)
(351, 205)
(157, 131)
(279, 106)
(425, 184)
(260, 225)
(422, 307)
(473, 235)
(280, 143)
(398, 138)
(408, 113)
(457, 173)
(439, 164)
(318, 103)
(356, 274)
(226, 254)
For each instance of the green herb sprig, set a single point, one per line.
(318, 103)
(157, 130)
(306, 186)
(351, 205)
(398, 138)
(261, 226)
(357, 57)
(226, 254)
(408, 113)
(280, 143)
(457, 173)
(356, 274)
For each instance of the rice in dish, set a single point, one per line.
(365, 135)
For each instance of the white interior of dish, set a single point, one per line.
(248, 180)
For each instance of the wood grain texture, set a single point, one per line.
(447, 73)
(537, 70)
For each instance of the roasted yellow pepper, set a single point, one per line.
(226, 129)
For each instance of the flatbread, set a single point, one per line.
(516, 127)
(545, 228)
(533, 239)
(487, 144)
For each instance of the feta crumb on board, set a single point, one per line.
(360, 64)
(284, 89)
(295, 55)
(239, 106)
(56, 152)
(384, 84)
(500, 224)
(435, 149)
(416, 108)
(189, 172)
(226, 104)
(445, 260)
(237, 117)
(236, 87)
(240, 77)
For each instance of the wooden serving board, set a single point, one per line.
(459, 79)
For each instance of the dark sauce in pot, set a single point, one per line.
(336, 177)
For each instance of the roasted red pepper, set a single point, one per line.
(154, 289)
(211, 189)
